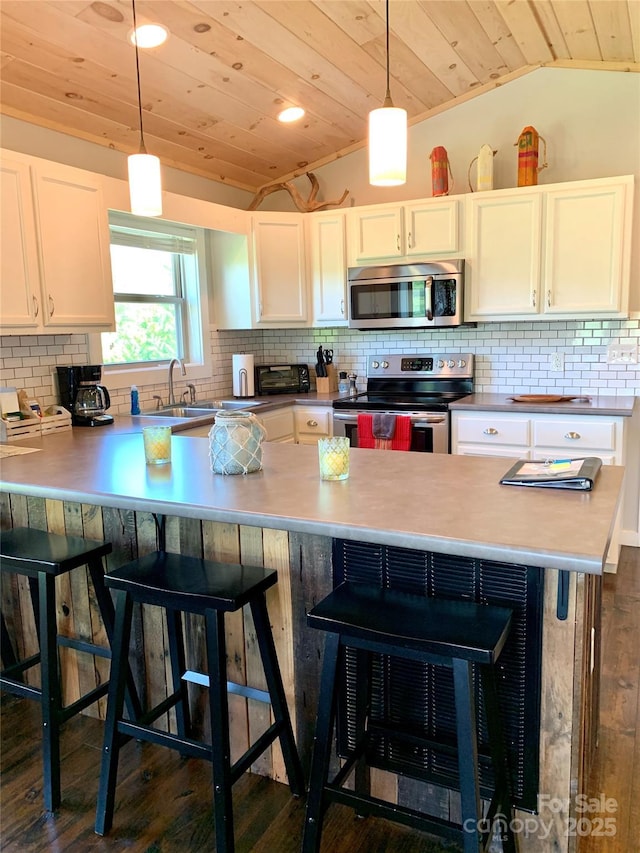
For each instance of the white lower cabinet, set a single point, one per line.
(279, 425)
(312, 423)
(528, 435)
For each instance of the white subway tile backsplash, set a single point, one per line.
(510, 357)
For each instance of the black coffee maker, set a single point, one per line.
(82, 394)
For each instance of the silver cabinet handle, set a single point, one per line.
(548, 299)
(312, 423)
(410, 243)
(52, 306)
(490, 431)
(398, 242)
(533, 298)
(572, 435)
(36, 307)
(342, 307)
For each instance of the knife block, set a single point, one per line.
(328, 383)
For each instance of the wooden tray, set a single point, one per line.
(548, 398)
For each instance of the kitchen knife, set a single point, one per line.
(321, 370)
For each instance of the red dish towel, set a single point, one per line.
(401, 436)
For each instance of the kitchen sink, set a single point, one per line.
(198, 410)
(229, 404)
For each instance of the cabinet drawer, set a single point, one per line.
(489, 429)
(576, 434)
(310, 422)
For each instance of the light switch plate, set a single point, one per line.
(626, 353)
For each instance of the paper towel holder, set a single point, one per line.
(243, 379)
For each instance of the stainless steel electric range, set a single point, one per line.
(418, 386)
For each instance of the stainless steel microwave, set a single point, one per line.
(407, 296)
(282, 378)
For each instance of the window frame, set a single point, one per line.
(195, 329)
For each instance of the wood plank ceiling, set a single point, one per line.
(211, 94)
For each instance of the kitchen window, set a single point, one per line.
(157, 270)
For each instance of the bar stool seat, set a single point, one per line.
(191, 585)
(41, 557)
(454, 634)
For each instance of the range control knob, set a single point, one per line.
(451, 363)
(462, 362)
(440, 363)
(385, 364)
(375, 364)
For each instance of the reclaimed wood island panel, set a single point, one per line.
(95, 483)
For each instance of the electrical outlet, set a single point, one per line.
(626, 353)
(556, 362)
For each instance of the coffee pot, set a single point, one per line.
(83, 395)
(91, 400)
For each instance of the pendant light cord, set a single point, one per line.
(143, 149)
(387, 98)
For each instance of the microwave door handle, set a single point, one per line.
(428, 286)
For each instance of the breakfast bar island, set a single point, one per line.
(438, 523)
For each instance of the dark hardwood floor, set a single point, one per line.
(164, 802)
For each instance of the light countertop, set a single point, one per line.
(596, 405)
(435, 502)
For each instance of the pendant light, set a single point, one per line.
(387, 139)
(145, 183)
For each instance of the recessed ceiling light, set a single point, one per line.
(149, 35)
(290, 114)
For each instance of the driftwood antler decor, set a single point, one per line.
(305, 205)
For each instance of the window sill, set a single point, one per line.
(119, 377)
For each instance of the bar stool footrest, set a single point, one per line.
(367, 805)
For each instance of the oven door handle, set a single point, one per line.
(416, 420)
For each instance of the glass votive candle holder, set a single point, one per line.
(157, 445)
(333, 455)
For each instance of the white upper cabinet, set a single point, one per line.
(19, 273)
(280, 269)
(59, 212)
(586, 267)
(328, 267)
(556, 252)
(426, 228)
(503, 268)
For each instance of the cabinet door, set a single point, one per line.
(280, 268)
(19, 274)
(279, 425)
(375, 233)
(432, 228)
(328, 268)
(73, 229)
(584, 250)
(504, 265)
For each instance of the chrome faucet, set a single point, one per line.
(172, 398)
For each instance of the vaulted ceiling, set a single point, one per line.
(211, 94)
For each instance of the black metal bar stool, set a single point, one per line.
(41, 557)
(455, 634)
(190, 585)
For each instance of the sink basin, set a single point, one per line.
(177, 412)
(199, 410)
(229, 404)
